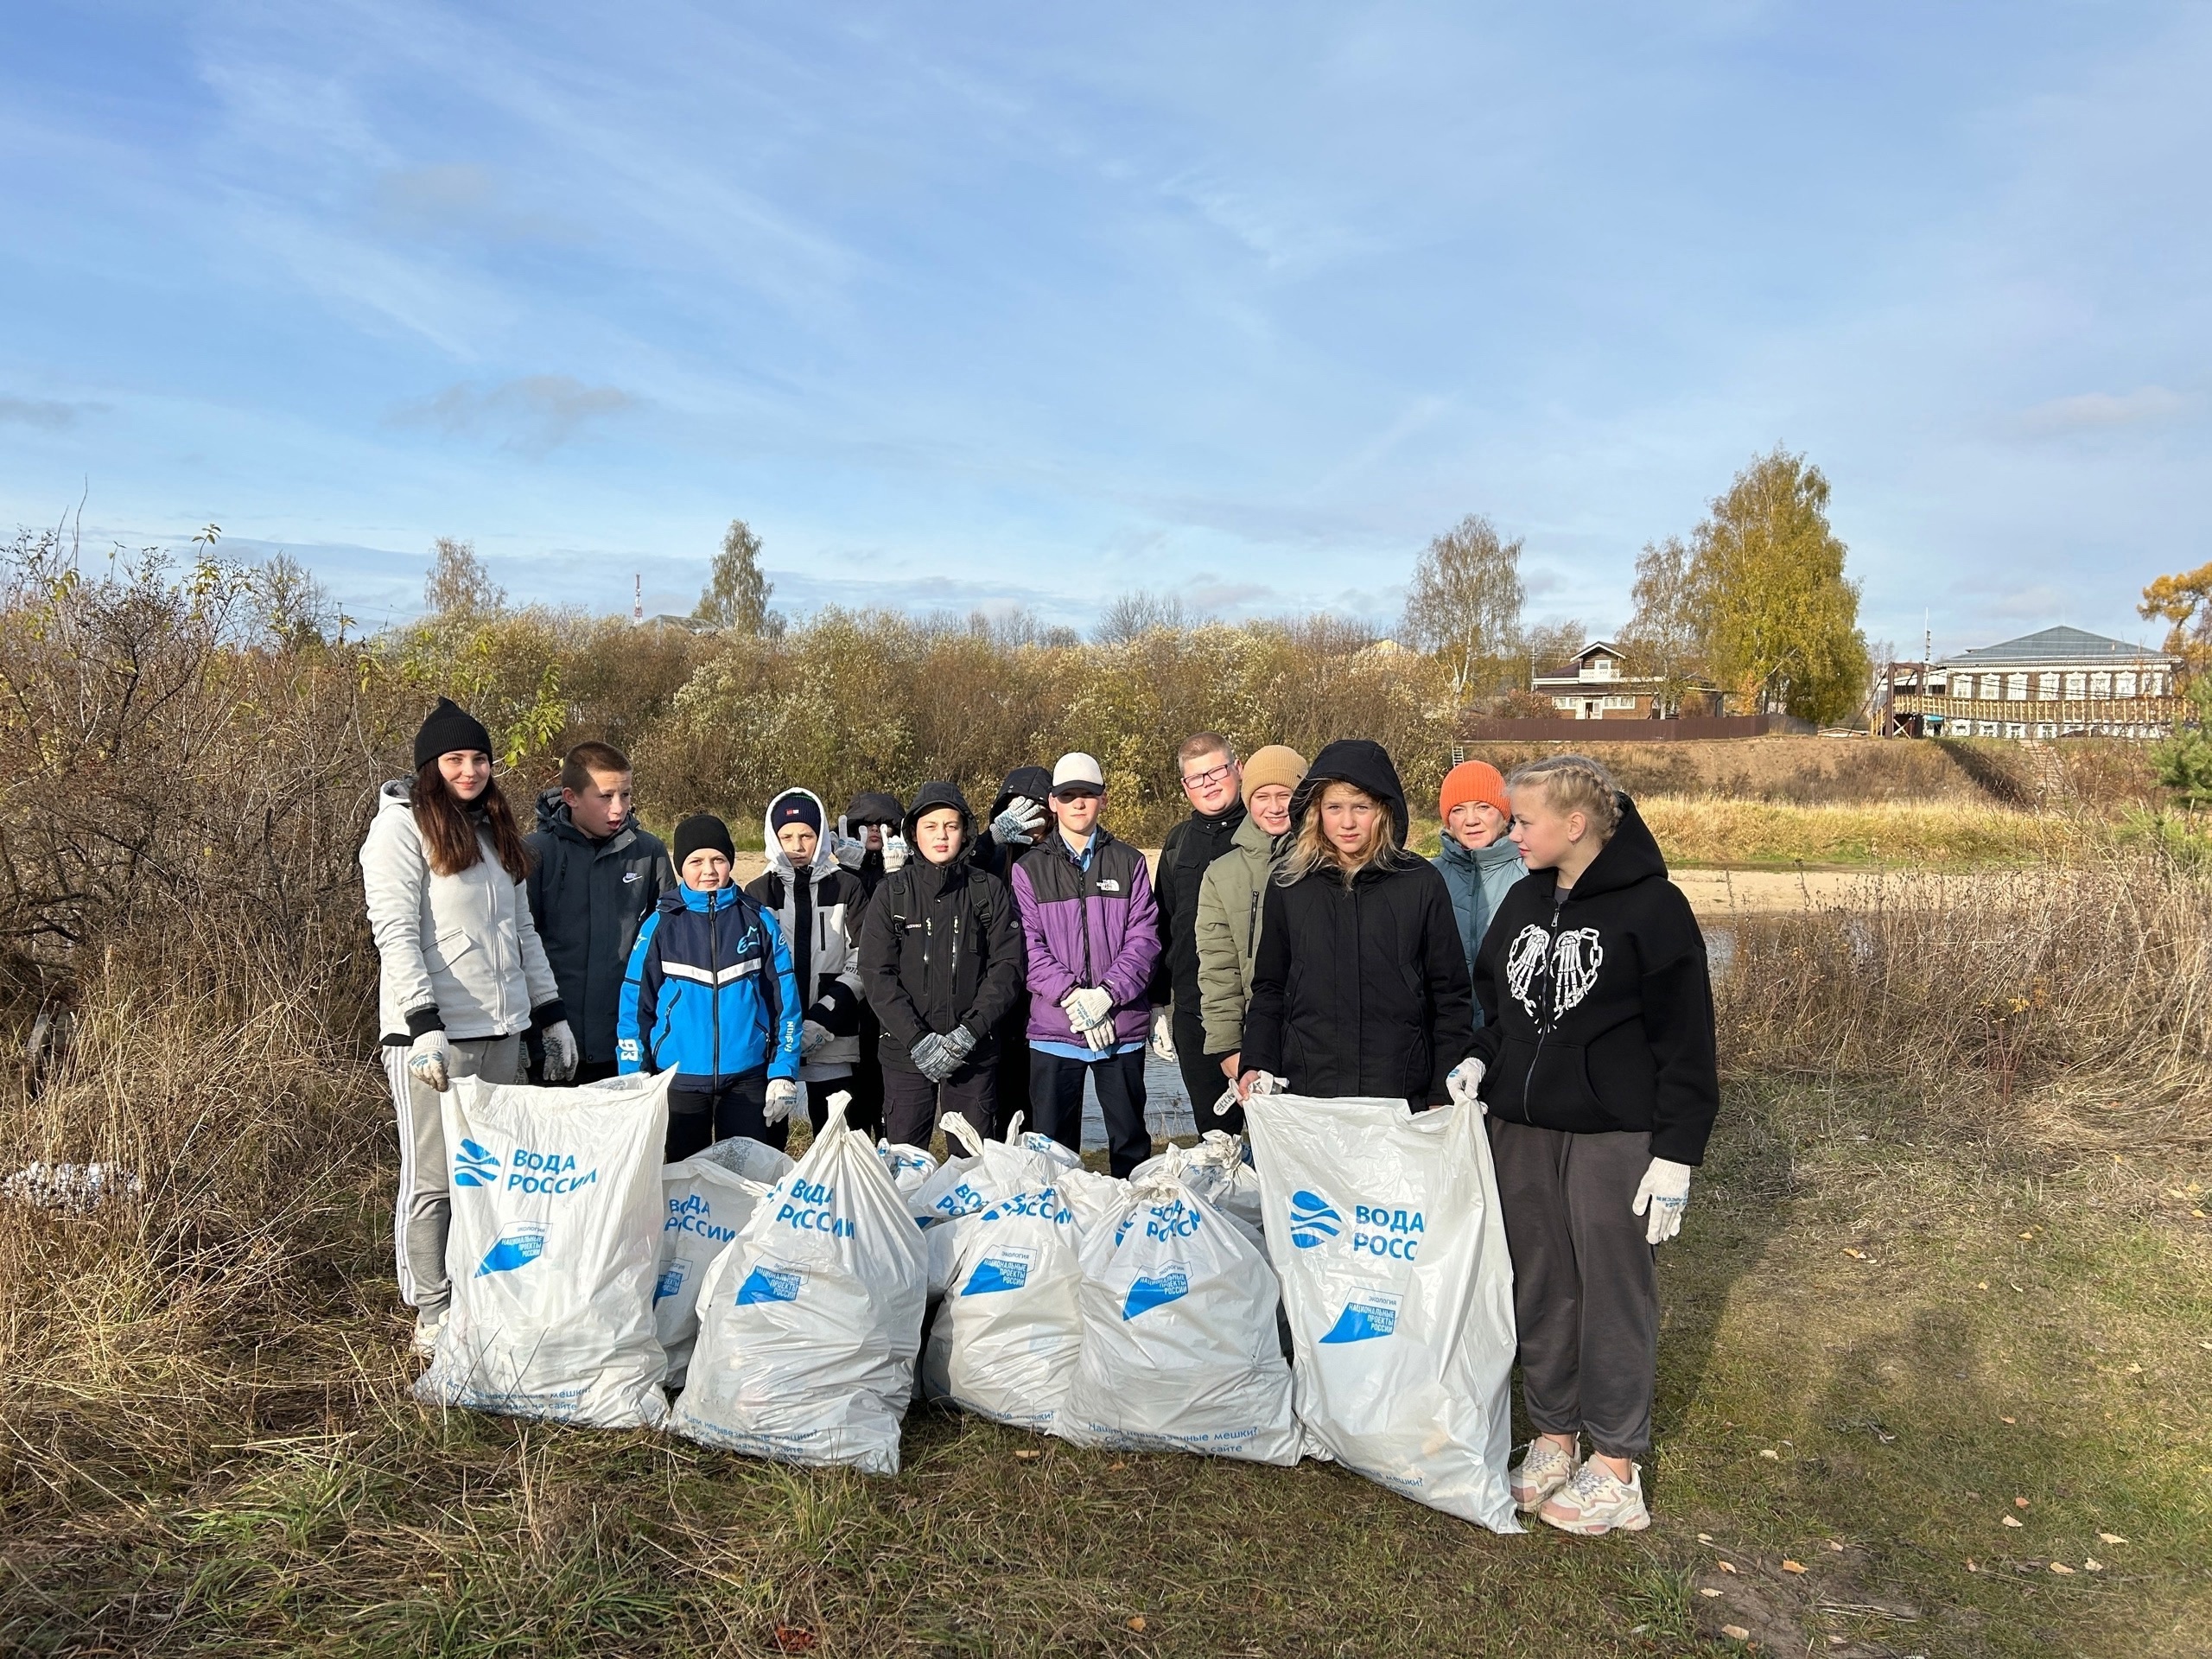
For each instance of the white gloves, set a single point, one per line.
(1665, 1189)
(1228, 1102)
(560, 1052)
(1463, 1080)
(1163, 1034)
(848, 850)
(1265, 1083)
(428, 1061)
(1018, 825)
(894, 854)
(783, 1097)
(1087, 1008)
(813, 1035)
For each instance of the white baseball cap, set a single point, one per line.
(1077, 774)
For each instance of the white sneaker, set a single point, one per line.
(1543, 1469)
(427, 1332)
(1598, 1501)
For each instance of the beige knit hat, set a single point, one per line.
(1272, 765)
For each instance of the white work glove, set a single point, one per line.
(847, 851)
(1464, 1080)
(783, 1099)
(1087, 1008)
(1018, 825)
(814, 1034)
(1099, 1038)
(1228, 1102)
(1265, 1082)
(1163, 1034)
(429, 1061)
(560, 1052)
(894, 854)
(1665, 1190)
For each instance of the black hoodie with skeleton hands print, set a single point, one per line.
(1596, 1004)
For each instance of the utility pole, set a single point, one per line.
(638, 601)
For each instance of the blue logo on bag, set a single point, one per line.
(1312, 1221)
(1156, 1291)
(1008, 1270)
(475, 1166)
(769, 1285)
(1367, 1313)
(671, 1282)
(520, 1245)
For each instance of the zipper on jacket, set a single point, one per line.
(715, 982)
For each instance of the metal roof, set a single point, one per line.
(2054, 647)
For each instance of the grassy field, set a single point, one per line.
(1754, 834)
(1887, 1326)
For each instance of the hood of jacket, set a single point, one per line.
(1499, 855)
(778, 859)
(873, 806)
(1632, 855)
(928, 798)
(1034, 782)
(1364, 765)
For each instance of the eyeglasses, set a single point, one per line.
(1205, 779)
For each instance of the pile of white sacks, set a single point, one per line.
(1350, 1298)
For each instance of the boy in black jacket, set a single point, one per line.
(1602, 1083)
(941, 964)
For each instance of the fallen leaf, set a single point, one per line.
(1705, 1537)
(1735, 1633)
(1856, 1256)
(794, 1638)
(2134, 1370)
(2014, 1521)
(1708, 1592)
(1137, 1623)
(1027, 1456)
(1970, 1565)
(1111, 1467)
(2060, 1567)
(2110, 1538)
(2091, 1564)
(2030, 1233)
(2008, 1420)
(1768, 1451)
(1832, 1544)
(1725, 1566)
(1984, 1284)
(1793, 1566)
(2019, 1503)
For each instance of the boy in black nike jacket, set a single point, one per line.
(1601, 1082)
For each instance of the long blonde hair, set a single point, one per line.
(1312, 851)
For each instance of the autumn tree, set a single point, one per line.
(1665, 639)
(1766, 574)
(459, 586)
(736, 594)
(2184, 602)
(1464, 606)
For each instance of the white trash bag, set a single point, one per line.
(553, 1252)
(1215, 1169)
(810, 1320)
(1179, 1346)
(1005, 1338)
(707, 1203)
(956, 1188)
(910, 1166)
(1383, 1226)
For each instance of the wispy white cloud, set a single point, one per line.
(2094, 411)
(43, 413)
(531, 415)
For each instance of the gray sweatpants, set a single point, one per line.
(425, 1204)
(1584, 1294)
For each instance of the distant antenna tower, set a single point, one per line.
(638, 601)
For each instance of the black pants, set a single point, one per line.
(587, 1070)
(1014, 1074)
(860, 1113)
(1055, 1086)
(1586, 1296)
(699, 1117)
(1203, 1079)
(912, 1103)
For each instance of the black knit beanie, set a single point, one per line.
(701, 829)
(450, 727)
(796, 806)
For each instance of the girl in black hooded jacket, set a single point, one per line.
(1360, 985)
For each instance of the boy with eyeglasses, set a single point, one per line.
(1213, 783)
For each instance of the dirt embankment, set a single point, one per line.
(1828, 771)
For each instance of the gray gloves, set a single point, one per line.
(938, 1057)
(813, 1035)
(560, 1052)
(1018, 825)
(428, 1061)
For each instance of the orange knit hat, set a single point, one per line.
(1473, 780)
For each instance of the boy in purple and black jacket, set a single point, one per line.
(1093, 935)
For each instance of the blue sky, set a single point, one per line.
(996, 304)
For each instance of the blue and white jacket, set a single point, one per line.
(709, 993)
